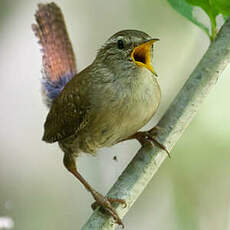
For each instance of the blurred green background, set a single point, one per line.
(190, 191)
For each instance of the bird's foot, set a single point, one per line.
(106, 204)
(149, 136)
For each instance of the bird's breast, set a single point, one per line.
(141, 104)
(126, 108)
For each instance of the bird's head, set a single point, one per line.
(127, 49)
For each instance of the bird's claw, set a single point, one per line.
(147, 136)
(106, 204)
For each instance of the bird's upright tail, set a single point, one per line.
(58, 57)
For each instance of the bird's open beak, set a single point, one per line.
(141, 55)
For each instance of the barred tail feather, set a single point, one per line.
(58, 57)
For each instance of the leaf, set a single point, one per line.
(222, 6)
(185, 9)
(225, 17)
(209, 7)
(212, 9)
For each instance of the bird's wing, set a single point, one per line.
(67, 116)
(58, 57)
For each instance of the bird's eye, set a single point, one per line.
(120, 44)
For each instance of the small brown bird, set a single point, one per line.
(106, 103)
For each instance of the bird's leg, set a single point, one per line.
(146, 136)
(100, 200)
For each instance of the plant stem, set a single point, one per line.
(213, 28)
(145, 164)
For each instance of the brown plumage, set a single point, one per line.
(58, 56)
(107, 102)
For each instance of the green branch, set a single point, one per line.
(145, 164)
